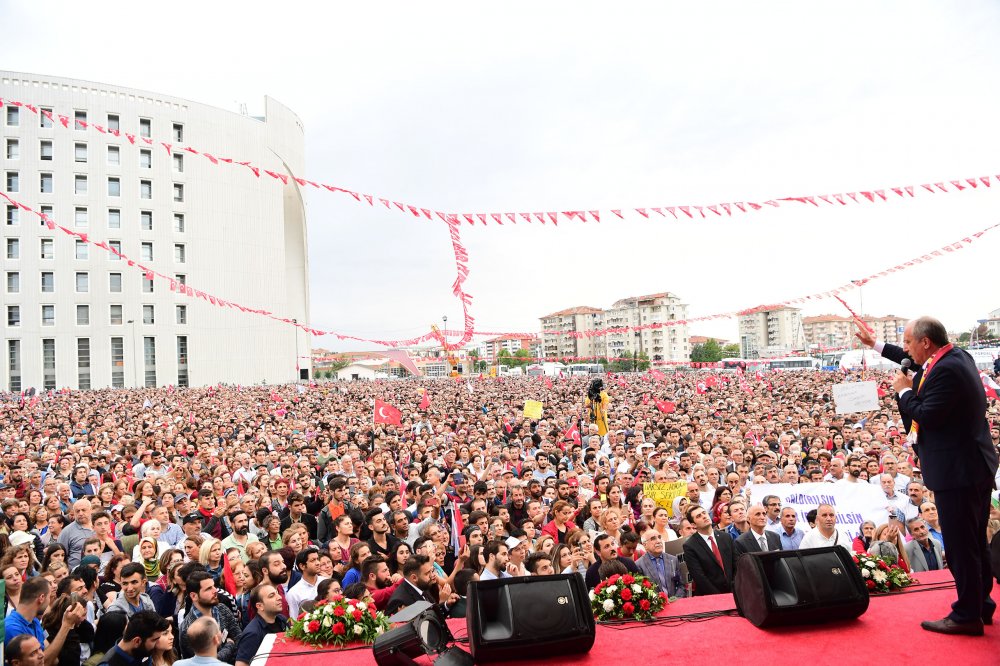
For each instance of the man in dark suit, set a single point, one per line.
(750, 541)
(709, 555)
(943, 406)
(606, 548)
(660, 567)
(419, 584)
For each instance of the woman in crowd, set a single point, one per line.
(111, 580)
(272, 532)
(594, 509)
(661, 523)
(12, 587)
(611, 522)
(889, 533)
(38, 516)
(210, 555)
(22, 556)
(864, 539)
(163, 653)
(561, 522)
(680, 505)
(646, 510)
(79, 636)
(359, 553)
(329, 590)
(400, 554)
(192, 547)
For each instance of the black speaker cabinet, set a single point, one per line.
(529, 617)
(787, 587)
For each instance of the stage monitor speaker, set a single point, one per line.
(785, 587)
(529, 617)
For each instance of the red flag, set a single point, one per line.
(702, 388)
(548, 383)
(425, 402)
(572, 433)
(645, 399)
(386, 413)
(666, 406)
(656, 374)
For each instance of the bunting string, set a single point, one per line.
(674, 212)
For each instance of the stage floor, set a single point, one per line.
(890, 628)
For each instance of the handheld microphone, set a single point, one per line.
(904, 366)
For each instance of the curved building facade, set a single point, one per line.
(78, 316)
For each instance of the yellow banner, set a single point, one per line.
(664, 493)
(532, 409)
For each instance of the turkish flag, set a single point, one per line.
(645, 399)
(666, 406)
(425, 402)
(702, 388)
(572, 433)
(548, 383)
(656, 374)
(711, 380)
(386, 413)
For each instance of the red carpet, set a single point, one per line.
(889, 630)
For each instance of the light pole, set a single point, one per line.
(135, 355)
(444, 328)
(295, 332)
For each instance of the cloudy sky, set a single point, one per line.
(528, 106)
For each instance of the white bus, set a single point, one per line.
(548, 369)
(585, 369)
(794, 363)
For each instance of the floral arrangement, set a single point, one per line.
(881, 575)
(626, 597)
(339, 622)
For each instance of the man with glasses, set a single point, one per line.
(773, 505)
(660, 567)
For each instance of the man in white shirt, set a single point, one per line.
(307, 562)
(825, 533)
(497, 556)
(895, 503)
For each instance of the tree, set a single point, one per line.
(709, 352)
(640, 361)
(731, 351)
(522, 357)
(504, 358)
(622, 363)
(965, 337)
(478, 365)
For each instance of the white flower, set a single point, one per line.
(608, 605)
(592, 595)
(611, 589)
(358, 630)
(865, 573)
(870, 564)
(362, 606)
(637, 588)
(327, 622)
(328, 609)
(379, 631)
(879, 576)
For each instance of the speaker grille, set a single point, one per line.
(539, 612)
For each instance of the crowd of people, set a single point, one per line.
(148, 526)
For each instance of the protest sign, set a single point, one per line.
(532, 409)
(855, 397)
(855, 502)
(664, 493)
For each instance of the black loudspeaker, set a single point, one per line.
(785, 587)
(529, 617)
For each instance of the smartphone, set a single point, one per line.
(459, 478)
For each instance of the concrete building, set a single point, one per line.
(769, 333)
(77, 315)
(837, 331)
(993, 323)
(489, 350)
(578, 319)
(669, 343)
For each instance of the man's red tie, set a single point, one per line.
(715, 551)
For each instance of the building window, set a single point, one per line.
(46, 211)
(146, 252)
(13, 282)
(179, 223)
(14, 149)
(13, 216)
(48, 315)
(182, 314)
(44, 120)
(145, 127)
(114, 187)
(13, 116)
(114, 155)
(115, 283)
(13, 248)
(114, 218)
(179, 254)
(182, 361)
(80, 184)
(80, 216)
(81, 250)
(179, 163)
(45, 151)
(146, 220)
(145, 189)
(82, 283)
(80, 152)
(46, 183)
(83, 362)
(148, 314)
(79, 118)
(115, 246)
(13, 181)
(181, 278)
(116, 315)
(114, 123)
(13, 315)
(48, 364)
(14, 364)
(147, 286)
(149, 359)
(145, 159)
(48, 282)
(178, 193)
(117, 362)
(178, 132)
(83, 315)
(48, 248)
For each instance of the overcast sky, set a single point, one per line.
(528, 106)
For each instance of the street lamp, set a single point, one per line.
(135, 355)
(295, 332)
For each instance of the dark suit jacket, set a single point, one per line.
(703, 568)
(405, 595)
(953, 441)
(593, 577)
(747, 543)
(674, 585)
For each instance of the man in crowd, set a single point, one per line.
(659, 566)
(36, 595)
(268, 619)
(790, 535)
(606, 549)
(419, 583)
(825, 533)
(709, 555)
(142, 632)
(76, 533)
(380, 583)
(757, 539)
(203, 637)
(240, 537)
(923, 551)
(204, 598)
(307, 562)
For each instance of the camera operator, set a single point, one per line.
(597, 401)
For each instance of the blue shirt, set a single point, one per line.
(16, 624)
(791, 542)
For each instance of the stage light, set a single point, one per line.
(398, 647)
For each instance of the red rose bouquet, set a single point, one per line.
(626, 597)
(339, 622)
(881, 575)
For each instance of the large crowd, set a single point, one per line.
(161, 525)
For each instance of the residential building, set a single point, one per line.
(769, 333)
(581, 319)
(835, 331)
(80, 316)
(489, 350)
(993, 323)
(666, 343)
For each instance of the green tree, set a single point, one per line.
(965, 337)
(641, 361)
(731, 351)
(522, 357)
(709, 352)
(504, 358)
(621, 363)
